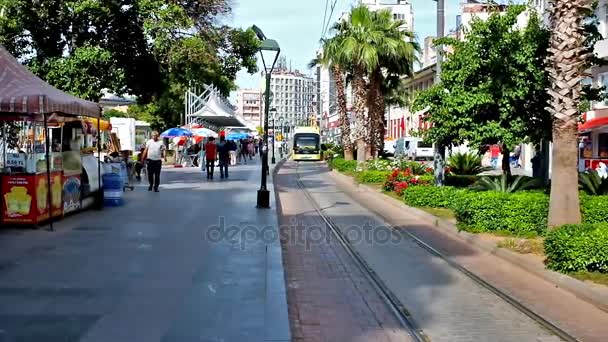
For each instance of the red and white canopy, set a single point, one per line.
(23, 93)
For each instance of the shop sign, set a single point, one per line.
(15, 160)
(18, 193)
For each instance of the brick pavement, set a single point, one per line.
(329, 298)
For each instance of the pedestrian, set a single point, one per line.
(261, 147)
(250, 149)
(494, 153)
(223, 152)
(210, 156)
(139, 164)
(243, 151)
(233, 152)
(201, 158)
(154, 154)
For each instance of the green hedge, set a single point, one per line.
(372, 176)
(574, 248)
(432, 196)
(460, 181)
(521, 214)
(342, 165)
(594, 209)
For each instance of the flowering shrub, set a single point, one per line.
(400, 180)
(379, 165)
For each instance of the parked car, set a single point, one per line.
(414, 148)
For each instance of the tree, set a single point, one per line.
(368, 39)
(332, 58)
(569, 57)
(152, 49)
(493, 86)
(397, 57)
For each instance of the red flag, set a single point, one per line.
(402, 124)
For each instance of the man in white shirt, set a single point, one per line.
(154, 155)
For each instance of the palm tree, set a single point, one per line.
(396, 60)
(374, 44)
(332, 58)
(567, 62)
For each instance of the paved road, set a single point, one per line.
(446, 304)
(151, 270)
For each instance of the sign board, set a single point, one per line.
(15, 160)
(71, 193)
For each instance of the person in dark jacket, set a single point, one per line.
(223, 151)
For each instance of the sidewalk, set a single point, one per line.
(186, 264)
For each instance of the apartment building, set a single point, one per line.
(249, 106)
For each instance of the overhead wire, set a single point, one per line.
(324, 19)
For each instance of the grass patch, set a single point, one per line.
(442, 213)
(595, 277)
(524, 246)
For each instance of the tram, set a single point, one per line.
(307, 144)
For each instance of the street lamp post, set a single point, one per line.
(274, 132)
(267, 45)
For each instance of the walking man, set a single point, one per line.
(154, 154)
(223, 152)
(211, 156)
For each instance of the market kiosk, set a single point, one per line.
(33, 116)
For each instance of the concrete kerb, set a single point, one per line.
(572, 285)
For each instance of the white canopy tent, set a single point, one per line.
(212, 110)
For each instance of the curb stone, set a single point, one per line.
(578, 288)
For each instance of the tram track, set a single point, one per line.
(392, 301)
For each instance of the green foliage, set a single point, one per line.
(415, 167)
(432, 196)
(466, 164)
(460, 181)
(491, 85)
(592, 183)
(372, 176)
(379, 165)
(152, 49)
(342, 165)
(521, 214)
(574, 248)
(504, 184)
(594, 209)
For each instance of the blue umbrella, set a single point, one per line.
(176, 133)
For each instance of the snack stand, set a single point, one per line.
(32, 165)
(593, 139)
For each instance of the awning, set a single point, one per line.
(103, 124)
(593, 123)
(23, 93)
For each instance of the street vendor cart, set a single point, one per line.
(33, 115)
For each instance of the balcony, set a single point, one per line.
(601, 49)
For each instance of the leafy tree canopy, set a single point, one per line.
(493, 86)
(152, 49)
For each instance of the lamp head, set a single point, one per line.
(259, 33)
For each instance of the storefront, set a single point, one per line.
(593, 139)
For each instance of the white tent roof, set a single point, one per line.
(214, 110)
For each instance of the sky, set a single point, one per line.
(297, 25)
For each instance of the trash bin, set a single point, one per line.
(113, 190)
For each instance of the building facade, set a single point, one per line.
(294, 96)
(249, 105)
(401, 9)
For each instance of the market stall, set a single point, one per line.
(34, 116)
(593, 139)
